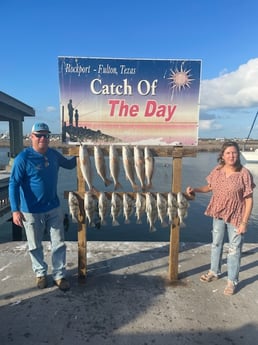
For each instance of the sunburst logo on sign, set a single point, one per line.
(180, 79)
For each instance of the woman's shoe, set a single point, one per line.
(229, 289)
(208, 277)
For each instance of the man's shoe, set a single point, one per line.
(41, 282)
(63, 284)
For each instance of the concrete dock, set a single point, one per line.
(127, 298)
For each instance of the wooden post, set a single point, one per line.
(82, 252)
(82, 230)
(175, 228)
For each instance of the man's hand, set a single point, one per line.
(18, 218)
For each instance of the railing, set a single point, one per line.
(5, 209)
(4, 199)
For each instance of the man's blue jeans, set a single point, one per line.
(36, 224)
(234, 252)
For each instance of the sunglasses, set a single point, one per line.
(46, 161)
(46, 136)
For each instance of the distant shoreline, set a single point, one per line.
(204, 145)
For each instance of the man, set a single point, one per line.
(70, 112)
(35, 204)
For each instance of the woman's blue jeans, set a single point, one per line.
(234, 251)
(36, 224)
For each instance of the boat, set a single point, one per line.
(250, 156)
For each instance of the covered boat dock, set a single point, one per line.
(12, 111)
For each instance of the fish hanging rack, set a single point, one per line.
(157, 151)
(177, 153)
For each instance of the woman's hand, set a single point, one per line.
(242, 229)
(190, 192)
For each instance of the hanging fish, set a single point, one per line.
(149, 167)
(151, 211)
(103, 207)
(139, 165)
(140, 206)
(183, 205)
(128, 163)
(74, 208)
(172, 207)
(116, 207)
(114, 166)
(128, 207)
(90, 207)
(101, 165)
(85, 165)
(162, 209)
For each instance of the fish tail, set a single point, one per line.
(138, 220)
(74, 220)
(182, 224)
(108, 182)
(170, 221)
(127, 221)
(118, 186)
(152, 228)
(144, 187)
(135, 187)
(115, 222)
(90, 186)
(148, 186)
(103, 222)
(91, 223)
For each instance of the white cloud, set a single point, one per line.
(50, 109)
(224, 71)
(207, 125)
(238, 89)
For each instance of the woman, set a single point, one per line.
(230, 206)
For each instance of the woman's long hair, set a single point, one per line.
(238, 165)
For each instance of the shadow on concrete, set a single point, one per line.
(126, 299)
(113, 309)
(120, 261)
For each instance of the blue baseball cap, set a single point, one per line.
(40, 126)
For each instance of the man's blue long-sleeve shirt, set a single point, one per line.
(33, 180)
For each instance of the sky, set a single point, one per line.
(221, 33)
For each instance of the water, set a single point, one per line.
(4, 156)
(198, 226)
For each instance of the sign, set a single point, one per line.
(129, 101)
